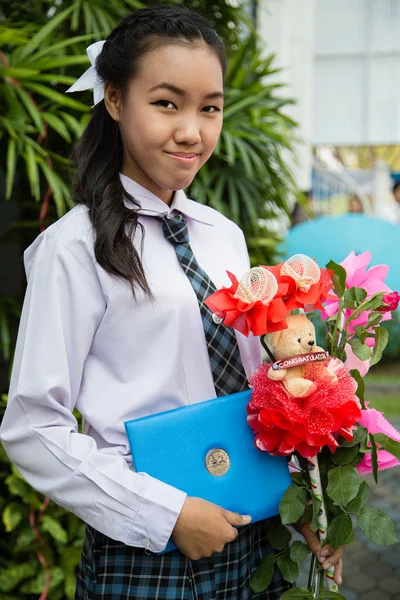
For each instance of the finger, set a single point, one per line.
(234, 534)
(333, 559)
(235, 519)
(339, 572)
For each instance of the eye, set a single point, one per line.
(214, 109)
(164, 104)
(299, 340)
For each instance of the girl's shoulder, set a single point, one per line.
(72, 232)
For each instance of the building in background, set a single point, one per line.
(341, 61)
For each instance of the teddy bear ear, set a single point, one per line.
(275, 338)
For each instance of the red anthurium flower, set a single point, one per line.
(257, 317)
(284, 424)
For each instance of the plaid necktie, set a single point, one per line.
(227, 369)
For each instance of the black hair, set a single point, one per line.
(395, 186)
(98, 154)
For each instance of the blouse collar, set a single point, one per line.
(152, 205)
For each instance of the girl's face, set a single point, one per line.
(171, 116)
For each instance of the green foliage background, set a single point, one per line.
(42, 52)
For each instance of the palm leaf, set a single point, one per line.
(56, 96)
(11, 166)
(43, 33)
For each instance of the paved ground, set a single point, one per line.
(372, 572)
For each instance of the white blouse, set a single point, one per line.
(84, 342)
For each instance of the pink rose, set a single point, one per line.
(392, 301)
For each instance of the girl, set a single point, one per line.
(114, 322)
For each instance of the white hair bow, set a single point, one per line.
(90, 78)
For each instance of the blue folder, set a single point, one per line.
(181, 446)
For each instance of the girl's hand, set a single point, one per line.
(326, 555)
(203, 528)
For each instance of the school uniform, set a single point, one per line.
(85, 342)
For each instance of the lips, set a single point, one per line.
(183, 154)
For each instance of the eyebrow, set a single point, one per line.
(179, 92)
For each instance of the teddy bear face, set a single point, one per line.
(298, 338)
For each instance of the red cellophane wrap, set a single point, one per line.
(284, 424)
(293, 297)
(245, 317)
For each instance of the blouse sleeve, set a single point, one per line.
(63, 308)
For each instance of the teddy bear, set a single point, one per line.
(298, 339)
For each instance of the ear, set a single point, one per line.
(112, 100)
(275, 338)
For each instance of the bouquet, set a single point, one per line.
(309, 405)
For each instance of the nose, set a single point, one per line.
(188, 131)
(311, 343)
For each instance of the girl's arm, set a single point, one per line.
(63, 308)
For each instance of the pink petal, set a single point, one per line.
(354, 262)
(353, 362)
(331, 308)
(385, 461)
(375, 422)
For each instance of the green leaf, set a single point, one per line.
(17, 73)
(32, 171)
(299, 551)
(293, 503)
(359, 435)
(11, 165)
(362, 351)
(374, 458)
(36, 585)
(11, 576)
(353, 297)
(307, 517)
(44, 32)
(377, 526)
(355, 505)
(374, 319)
(298, 478)
(57, 124)
(54, 528)
(54, 96)
(331, 596)
(338, 278)
(381, 340)
(298, 593)
(340, 531)
(344, 456)
(262, 577)
(19, 487)
(24, 540)
(13, 515)
(373, 303)
(343, 484)
(388, 444)
(289, 569)
(32, 109)
(316, 507)
(360, 390)
(278, 535)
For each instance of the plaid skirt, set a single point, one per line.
(110, 570)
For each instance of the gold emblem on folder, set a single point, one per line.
(217, 462)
